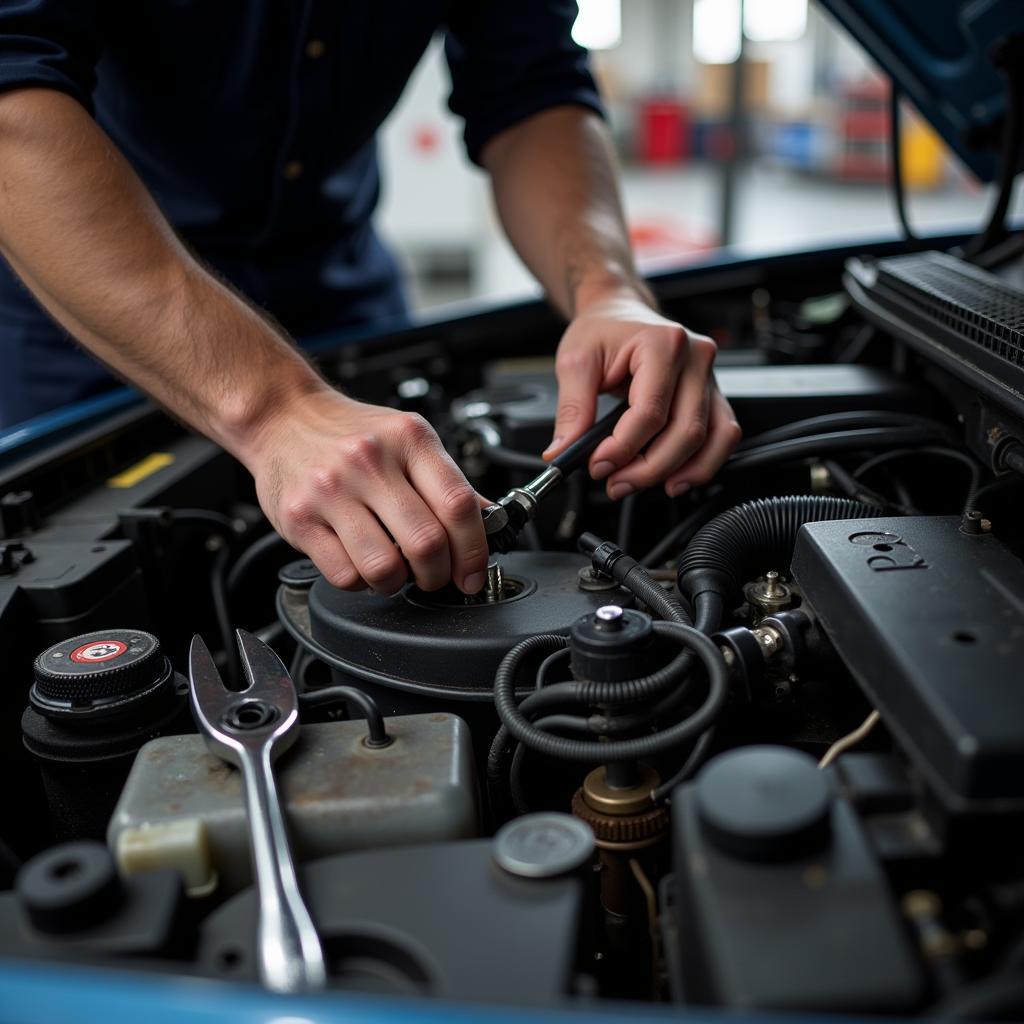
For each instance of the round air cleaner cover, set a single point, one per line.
(437, 643)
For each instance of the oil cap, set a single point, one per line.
(97, 669)
(543, 845)
(764, 803)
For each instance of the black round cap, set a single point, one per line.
(98, 666)
(69, 887)
(611, 644)
(764, 803)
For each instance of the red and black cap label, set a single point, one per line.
(97, 651)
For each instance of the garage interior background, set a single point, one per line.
(812, 151)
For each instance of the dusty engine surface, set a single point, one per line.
(755, 748)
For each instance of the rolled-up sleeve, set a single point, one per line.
(51, 43)
(509, 61)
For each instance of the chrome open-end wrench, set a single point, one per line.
(250, 728)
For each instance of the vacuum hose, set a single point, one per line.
(519, 727)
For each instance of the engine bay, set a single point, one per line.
(758, 747)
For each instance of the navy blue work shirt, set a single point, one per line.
(252, 122)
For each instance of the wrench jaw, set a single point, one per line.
(206, 696)
(234, 720)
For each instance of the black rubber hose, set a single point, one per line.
(222, 613)
(520, 728)
(818, 445)
(970, 464)
(680, 534)
(690, 767)
(1007, 59)
(543, 643)
(252, 554)
(743, 541)
(629, 573)
(376, 732)
(895, 170)
(831, 423)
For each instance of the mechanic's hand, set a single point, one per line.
(678, 427)
(336, 477)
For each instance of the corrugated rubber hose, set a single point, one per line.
(744, 541)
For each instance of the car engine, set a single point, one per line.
(759, 747)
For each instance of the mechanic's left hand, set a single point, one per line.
(678, 427)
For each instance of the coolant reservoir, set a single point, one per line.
(339, 795)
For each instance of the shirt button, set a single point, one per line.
(315, 49)
(293, 170)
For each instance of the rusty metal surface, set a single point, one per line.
(338, 794)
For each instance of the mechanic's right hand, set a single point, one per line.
(336, 477)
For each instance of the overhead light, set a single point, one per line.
(716, 31)
(598, 25)
(774, 21)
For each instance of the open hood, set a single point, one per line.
(940, 54)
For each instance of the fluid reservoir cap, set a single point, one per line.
(69, 887)
(543, 845)
(764, 803)
(96, 666)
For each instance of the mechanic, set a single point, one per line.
(183, 182)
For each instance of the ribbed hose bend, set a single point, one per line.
(746, 540)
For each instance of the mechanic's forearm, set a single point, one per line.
(80, 229)
(555, 186)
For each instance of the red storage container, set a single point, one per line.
(663, 132)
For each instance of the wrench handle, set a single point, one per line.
(291, 958)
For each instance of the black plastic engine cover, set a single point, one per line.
(439, 919)
(438, 646)
(930, 621)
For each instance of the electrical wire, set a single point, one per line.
(684, 530)
(204, 516)
(826, 444)
(696, 758)
(516, 789)
(252, 554)
(490, 436)
(851, 739)
(516, 786)
(895, 170)
(846, 482)
(1013, 133)
(547, 664)
(963, 458)
(218, 592)
(853, 349)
